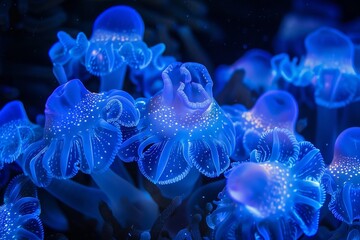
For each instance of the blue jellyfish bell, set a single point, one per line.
(182, 126)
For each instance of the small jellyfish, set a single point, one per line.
(343, 177)
(19, 216)
(330, 55)
(276, 195)
(116, 43)
(274, 108)
(82, 132)
(181, 126)
(258, 71)
(16, 132)
(328, 66)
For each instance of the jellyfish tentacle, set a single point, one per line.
(163, 160)
(347, 201)
(146, 143)
(130, 145)
(170, 165)
(82, 44)
(285, 146)
(309, 164)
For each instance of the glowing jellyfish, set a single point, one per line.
(182, 126)
(116, 43)
(16, 132)
(328, 66)
(19, 216)
(276, 195)
(344, 177)
(273, 109)
(82, 132)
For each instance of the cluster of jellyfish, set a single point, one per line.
(237, 172)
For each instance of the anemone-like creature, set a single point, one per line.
(116, 43)
(343, 177)
(276, 195)
(82, 132)
(16, 132)
(19, 216)
(275, 108)
(182, 126)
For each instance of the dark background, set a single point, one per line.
(222, 30)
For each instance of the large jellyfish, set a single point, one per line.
(276, 195)
(116, 43)
(19, 215)
(182, 126)
(275, 108)
(16, 132)
(82, 132)
(343, 177)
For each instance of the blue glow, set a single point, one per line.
(344, 182)
(328, 66)
(276, 195)
(273, 109)
(116, 43)
(82, 132)
(148, 80)
(121, 19)
(176, 155)
(16, 132)
(258, 71)
(180, 128)
(19, 216)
